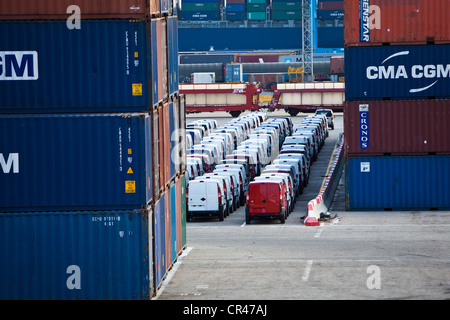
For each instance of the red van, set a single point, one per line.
(265, 199)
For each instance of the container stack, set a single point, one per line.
(235, 10)
(330, 10)
(286, 9)
(396, 114)
(204, 10)
(330, 29)
(89, 118)
(256, 10)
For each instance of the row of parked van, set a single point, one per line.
(224, 163)
(221, 162)
(273, 194)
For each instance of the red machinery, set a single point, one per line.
(231, 97)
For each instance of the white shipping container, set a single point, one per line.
(203, 77)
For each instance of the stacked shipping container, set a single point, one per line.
(90, 149)
(396, 114)
(235, 10)
(330, 30)
(256, 10)
(286, 9)
(203, 10)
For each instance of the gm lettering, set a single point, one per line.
(19, 65)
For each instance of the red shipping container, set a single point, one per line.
(331, 5)
(162, 140)
(162, 57)
(155, 7)
(155, 153)
(166, 143)
(90, 9)
(397, 22)
(337, 65)
(397, 127)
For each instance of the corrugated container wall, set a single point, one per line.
(76, 255)
(90, 9)
(396, 22)
(397, 72)
(172, 31)
(102, 67)
(174, 211)
(400, 127)
(159, 241)
(61, 161)
(397, 183)
(168, 231)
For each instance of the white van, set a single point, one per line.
(303, 161)
(226, 182)
(205, 197)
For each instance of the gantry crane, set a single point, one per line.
(307, 43)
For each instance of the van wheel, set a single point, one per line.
(221, 215)
(247, 215)
(282, 218)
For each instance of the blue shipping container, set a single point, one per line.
(199, 16)
(76, 255)
(233, 73)
(235, 16)
(397, 72)
(75, 161)
(160, 241)
(172, 27)
(154, 63)
(397, 183)
(235, 7)
(330, 14)
(102, 67)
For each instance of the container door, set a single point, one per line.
(160, 243)
(154, 54)
(183, 210)
(173, 141)
(148, 158)
(178, 214)
(173, 221)
(167, 143)
(167, 230)
(197, 195)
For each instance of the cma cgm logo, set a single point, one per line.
(19, 65)
(11, 162)
(429, 71)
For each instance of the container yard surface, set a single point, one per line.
(357, 255)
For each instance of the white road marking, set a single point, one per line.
(307, 270)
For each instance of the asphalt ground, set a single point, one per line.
(385, 255)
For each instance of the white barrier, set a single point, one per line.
(322, 202)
